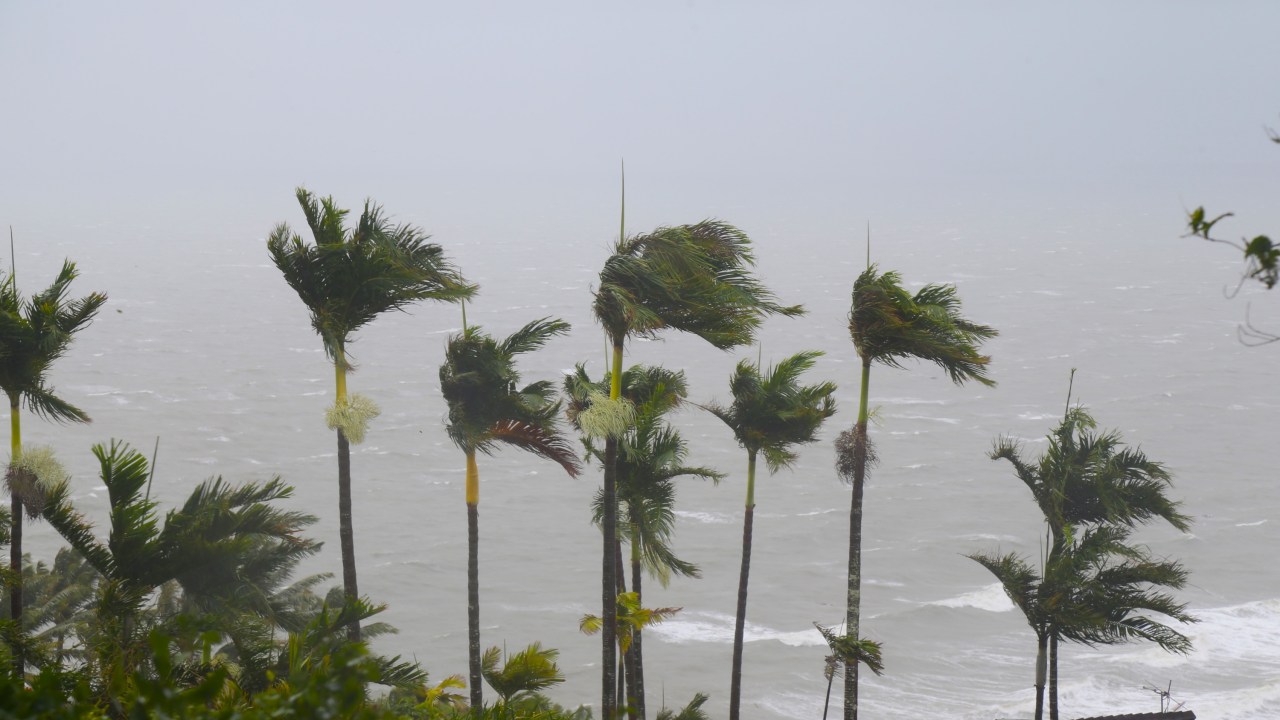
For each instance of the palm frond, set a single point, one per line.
(888, 325)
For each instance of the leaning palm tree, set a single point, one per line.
(889, 326)
(33, 334)
(692, 278)
(770, 414)
(487, 407)
(1089, 478)
(346, 279)
(651, 457)
(1094, 589)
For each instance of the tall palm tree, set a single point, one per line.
(33, 334)
(346, 279)
(650, 459)
(889, 326)
(691, 278)
(770, 414)
(486, 407)
(1087, 478)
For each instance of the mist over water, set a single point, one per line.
(987, 149)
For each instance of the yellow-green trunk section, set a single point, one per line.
(615, 377)
(863, 411)
(751, 480)
(340, 378)
(15, 430)
(473, 479)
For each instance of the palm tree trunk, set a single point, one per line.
(637, 652)
(1042, 642)
(473, 584)
(740, 621)
(624, 658)
(609, 568)
(346, 531)
(15, 538)
(853, 599)
(1053, 676)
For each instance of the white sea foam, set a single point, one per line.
(949, 421)
(1252, 524)
(705, 517)
(990, 598)
(697, 626)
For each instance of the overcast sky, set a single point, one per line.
(493, 116)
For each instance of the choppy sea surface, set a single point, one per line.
(203, 345)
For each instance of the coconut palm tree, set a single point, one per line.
(889, 326)
(33, 334)
(1089, 479)
(487, 407)
(650, 459)
(771, 413)
(691, 278)
(346, 279)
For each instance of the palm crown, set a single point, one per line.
(35, 333)
(888, 325)
(693, 278)
(350, 276)
(1088, 477)
(772, 411)
(486, 405)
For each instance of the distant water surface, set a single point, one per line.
(204, 345)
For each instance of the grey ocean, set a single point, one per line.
(203, 345)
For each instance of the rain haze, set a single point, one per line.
(1042, 157)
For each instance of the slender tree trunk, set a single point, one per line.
(637, 648)
(346, 530)
(15, 539)
(1053, 676)
(1042, 642)
(609, 569)
(740, 621)
(853, 600)
(473, 584)
(624, 658)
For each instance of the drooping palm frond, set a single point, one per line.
(651, 457)
(480, 382)
(772, 412)
(889, 325)
(692, 278)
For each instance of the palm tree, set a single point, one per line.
(650, 459)
(770, 414)
(1088, 479)
(692, 278)
(33, 334)
(1094, 589)
(632, 619)
(346, 279)
(522, 676)
(890, 325)
(487, 407)
(218, 546)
